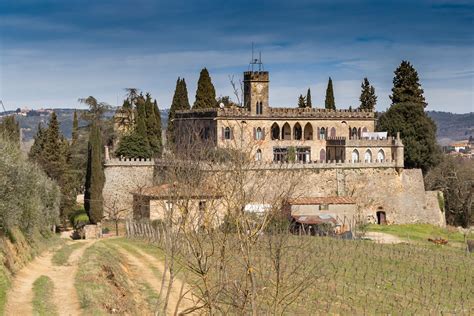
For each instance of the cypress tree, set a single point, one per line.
(93, 201)
(180, 102)
(10, 129)
(406, 85)
(151, 125)
(309, 103)
(75, 128)
(301, 101)
(140, 126)
(158, 129)
(368, 99)
(205, 93)
(38, 144)
(330, 103)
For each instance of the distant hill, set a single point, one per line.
(452, 126)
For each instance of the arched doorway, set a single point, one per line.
(380, 156)
(308, 131)
(381, 217)
(355, 156)
(297, 131)
(322, 155)
(275, 131)
(286, 132)
(368, 156)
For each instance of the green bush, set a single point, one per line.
(79, 218)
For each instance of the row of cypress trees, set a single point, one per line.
(368, 99)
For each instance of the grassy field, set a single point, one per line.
(42, 302)
(421, 232)
(62, 255)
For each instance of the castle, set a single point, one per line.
(347, 168)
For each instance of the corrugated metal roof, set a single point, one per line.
(322, 200)
(314, 219)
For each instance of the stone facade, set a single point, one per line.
(122, 177)
(286, 134)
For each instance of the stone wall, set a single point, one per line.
(375, 186)
(123, 177)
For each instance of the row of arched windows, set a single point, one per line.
(306, 133)
(355, 157)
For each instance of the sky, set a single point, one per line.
(53, 52)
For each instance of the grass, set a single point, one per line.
(42, 301)
(4, 286)
(353, 277)
(105, 285)
(61, 256)
(420, 232)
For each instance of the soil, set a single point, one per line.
(142, 264)
(383, 238)
(20, 297)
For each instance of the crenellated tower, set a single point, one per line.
(256, 91)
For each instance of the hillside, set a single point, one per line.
(453, 126)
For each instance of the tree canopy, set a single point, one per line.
(205, 93)
(309, 102)
(368, 99)
(406, 85)
(301, 101)
(10, 129)
(330, 102)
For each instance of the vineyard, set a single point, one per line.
(304, 274)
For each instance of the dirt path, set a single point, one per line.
(20, 297)
(143, 263)
(383, 238)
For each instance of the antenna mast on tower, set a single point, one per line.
(256, 61)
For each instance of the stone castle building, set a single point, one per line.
(336, 154)
(304, 135)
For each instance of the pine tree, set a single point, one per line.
(10, 129)
(407, 116)
(180, 102)
(75, 128)
(51, 151)
(330, 103)
(205, 93)
(368, 99)
(309, 103)
(133, 146)
(301, 101)
(93, 201)
(406, 85)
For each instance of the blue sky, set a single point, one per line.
(53, 52)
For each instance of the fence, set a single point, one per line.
(143, 230)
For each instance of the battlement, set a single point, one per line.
(129, 162)
(256, 76)
(238, 112)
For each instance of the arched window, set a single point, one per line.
(258, 155)
(322, 133)
(322, 155)
(227, 133)
(355, 156)
(297, 131)
(368, 156)
(364, 130)
(275, 131)
(308, 131)
(259, 108)
(333, 132)
(381, 155)
(354, 133)
(259, 134)
(286, 132)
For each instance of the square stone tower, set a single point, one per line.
(256, 91)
